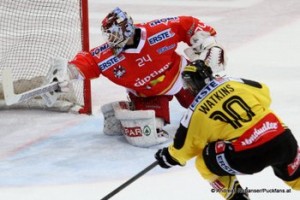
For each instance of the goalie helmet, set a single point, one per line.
(196, 75)
(117, 27)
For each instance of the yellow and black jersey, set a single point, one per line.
(223, 110)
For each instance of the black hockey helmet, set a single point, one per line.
(196, 75)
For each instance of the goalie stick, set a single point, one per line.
(12, 98)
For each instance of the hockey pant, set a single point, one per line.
(281, 153)
(160, 104)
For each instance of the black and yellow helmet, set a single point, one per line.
(196, 75)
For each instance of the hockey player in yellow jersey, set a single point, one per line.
(231, 131)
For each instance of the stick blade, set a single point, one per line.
(12, 98)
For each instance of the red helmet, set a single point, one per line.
(117, 27)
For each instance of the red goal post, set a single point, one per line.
(32, 32)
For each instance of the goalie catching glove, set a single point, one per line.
(204, 47)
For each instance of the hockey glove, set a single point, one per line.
(73, 74)
(164, 158)
(64, 86)
(205, 47)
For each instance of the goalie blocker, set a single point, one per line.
(140, 127)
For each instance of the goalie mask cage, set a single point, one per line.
(33, 31)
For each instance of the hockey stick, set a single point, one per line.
(134, 178)
(12, 98)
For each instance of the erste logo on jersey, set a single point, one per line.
(112, 60)
(161, 36)
(163, 21)
(204, 92)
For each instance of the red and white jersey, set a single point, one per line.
(153, 67)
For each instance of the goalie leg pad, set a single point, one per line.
(141, 128)
(111, 125)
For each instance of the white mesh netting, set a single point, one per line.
(33, 31)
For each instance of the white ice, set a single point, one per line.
(61, 156)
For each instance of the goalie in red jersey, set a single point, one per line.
(142, 58)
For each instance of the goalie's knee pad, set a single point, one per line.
(141, 128)
(111, 125)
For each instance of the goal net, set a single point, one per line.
(34, 31)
